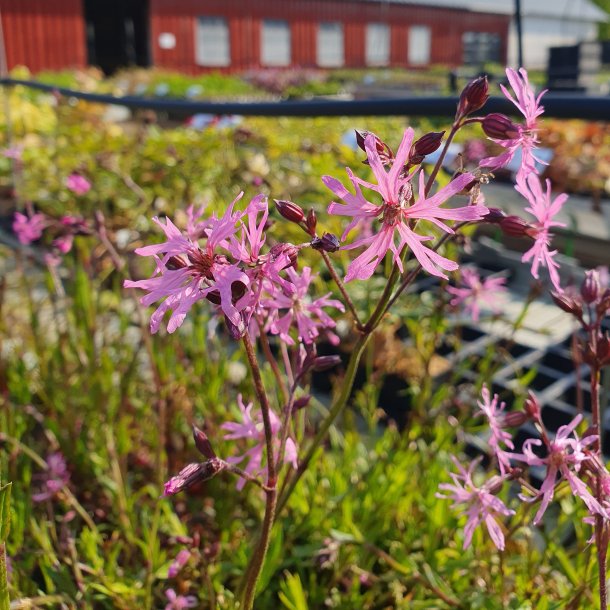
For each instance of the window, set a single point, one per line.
(479, 47)
(212, 43)
(377, 44)
(275, 43)
(330, 45)
(419, 45)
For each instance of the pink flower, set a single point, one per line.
(494, 413)
(28, 229)
(474, 293)
(308, 316)
(544, 210)
(252, 429)
(188, 273)
(565, 458)
(482, 506)
(179, 602)
(14, 152)
(64, 243)
(397, 212)
(179, 562)
(53, 479)
(527, 139)
(78, 184)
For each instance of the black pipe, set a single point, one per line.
(563, 106)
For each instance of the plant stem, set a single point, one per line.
(341, 287)
(601, 539)
(258, 556)
(273, 362)
(337, 407)
(439, 163)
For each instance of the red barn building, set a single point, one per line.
(236, 35)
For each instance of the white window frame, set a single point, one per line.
(330, 47)
(420, 45)
(276, 50)
(212, 42)
(377, 44)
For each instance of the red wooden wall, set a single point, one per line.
(44, 34)
(245, 16)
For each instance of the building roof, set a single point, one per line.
(579, 10)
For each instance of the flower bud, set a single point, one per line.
(327, 243)
(311, 222)
(290, 250)
(514, 226)
(236, 331)
(603, 307)
(192, 474)
(532, 407)
(494, 215)
(290, 211)
(499, 126)
(590, 287)
(494, 484)
(514, 419)
(567, 303)
(428, 143)
(324, 363)
(385, 152)
(301, 403)
(202, 443)
(473, 97)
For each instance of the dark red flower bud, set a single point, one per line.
(532, 407)
(603, 307)
(324, 363)
(192, 474)
(428, 143)
(514, 419)
(473, 97)
(236, 331)
(175, 262)
(290, 211)
(514, 226)
(568, 304)
(301, 403)
(311, 222)
(500, 127)
(385, 152)
(327, 243)
(494, 215)
(590, 287)
(203, 443)
(289, 250)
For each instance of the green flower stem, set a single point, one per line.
(337, 407)
(341, 287)
(258, 557)
(454, 129)
(5, 602)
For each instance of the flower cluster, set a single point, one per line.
(30, 228)
(55, 477)
(251, 428)
(222, 260)
(475, 293)
(566, 457)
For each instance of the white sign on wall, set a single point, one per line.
(167, 40)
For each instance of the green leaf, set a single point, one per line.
(5, 511)
(292, 594)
